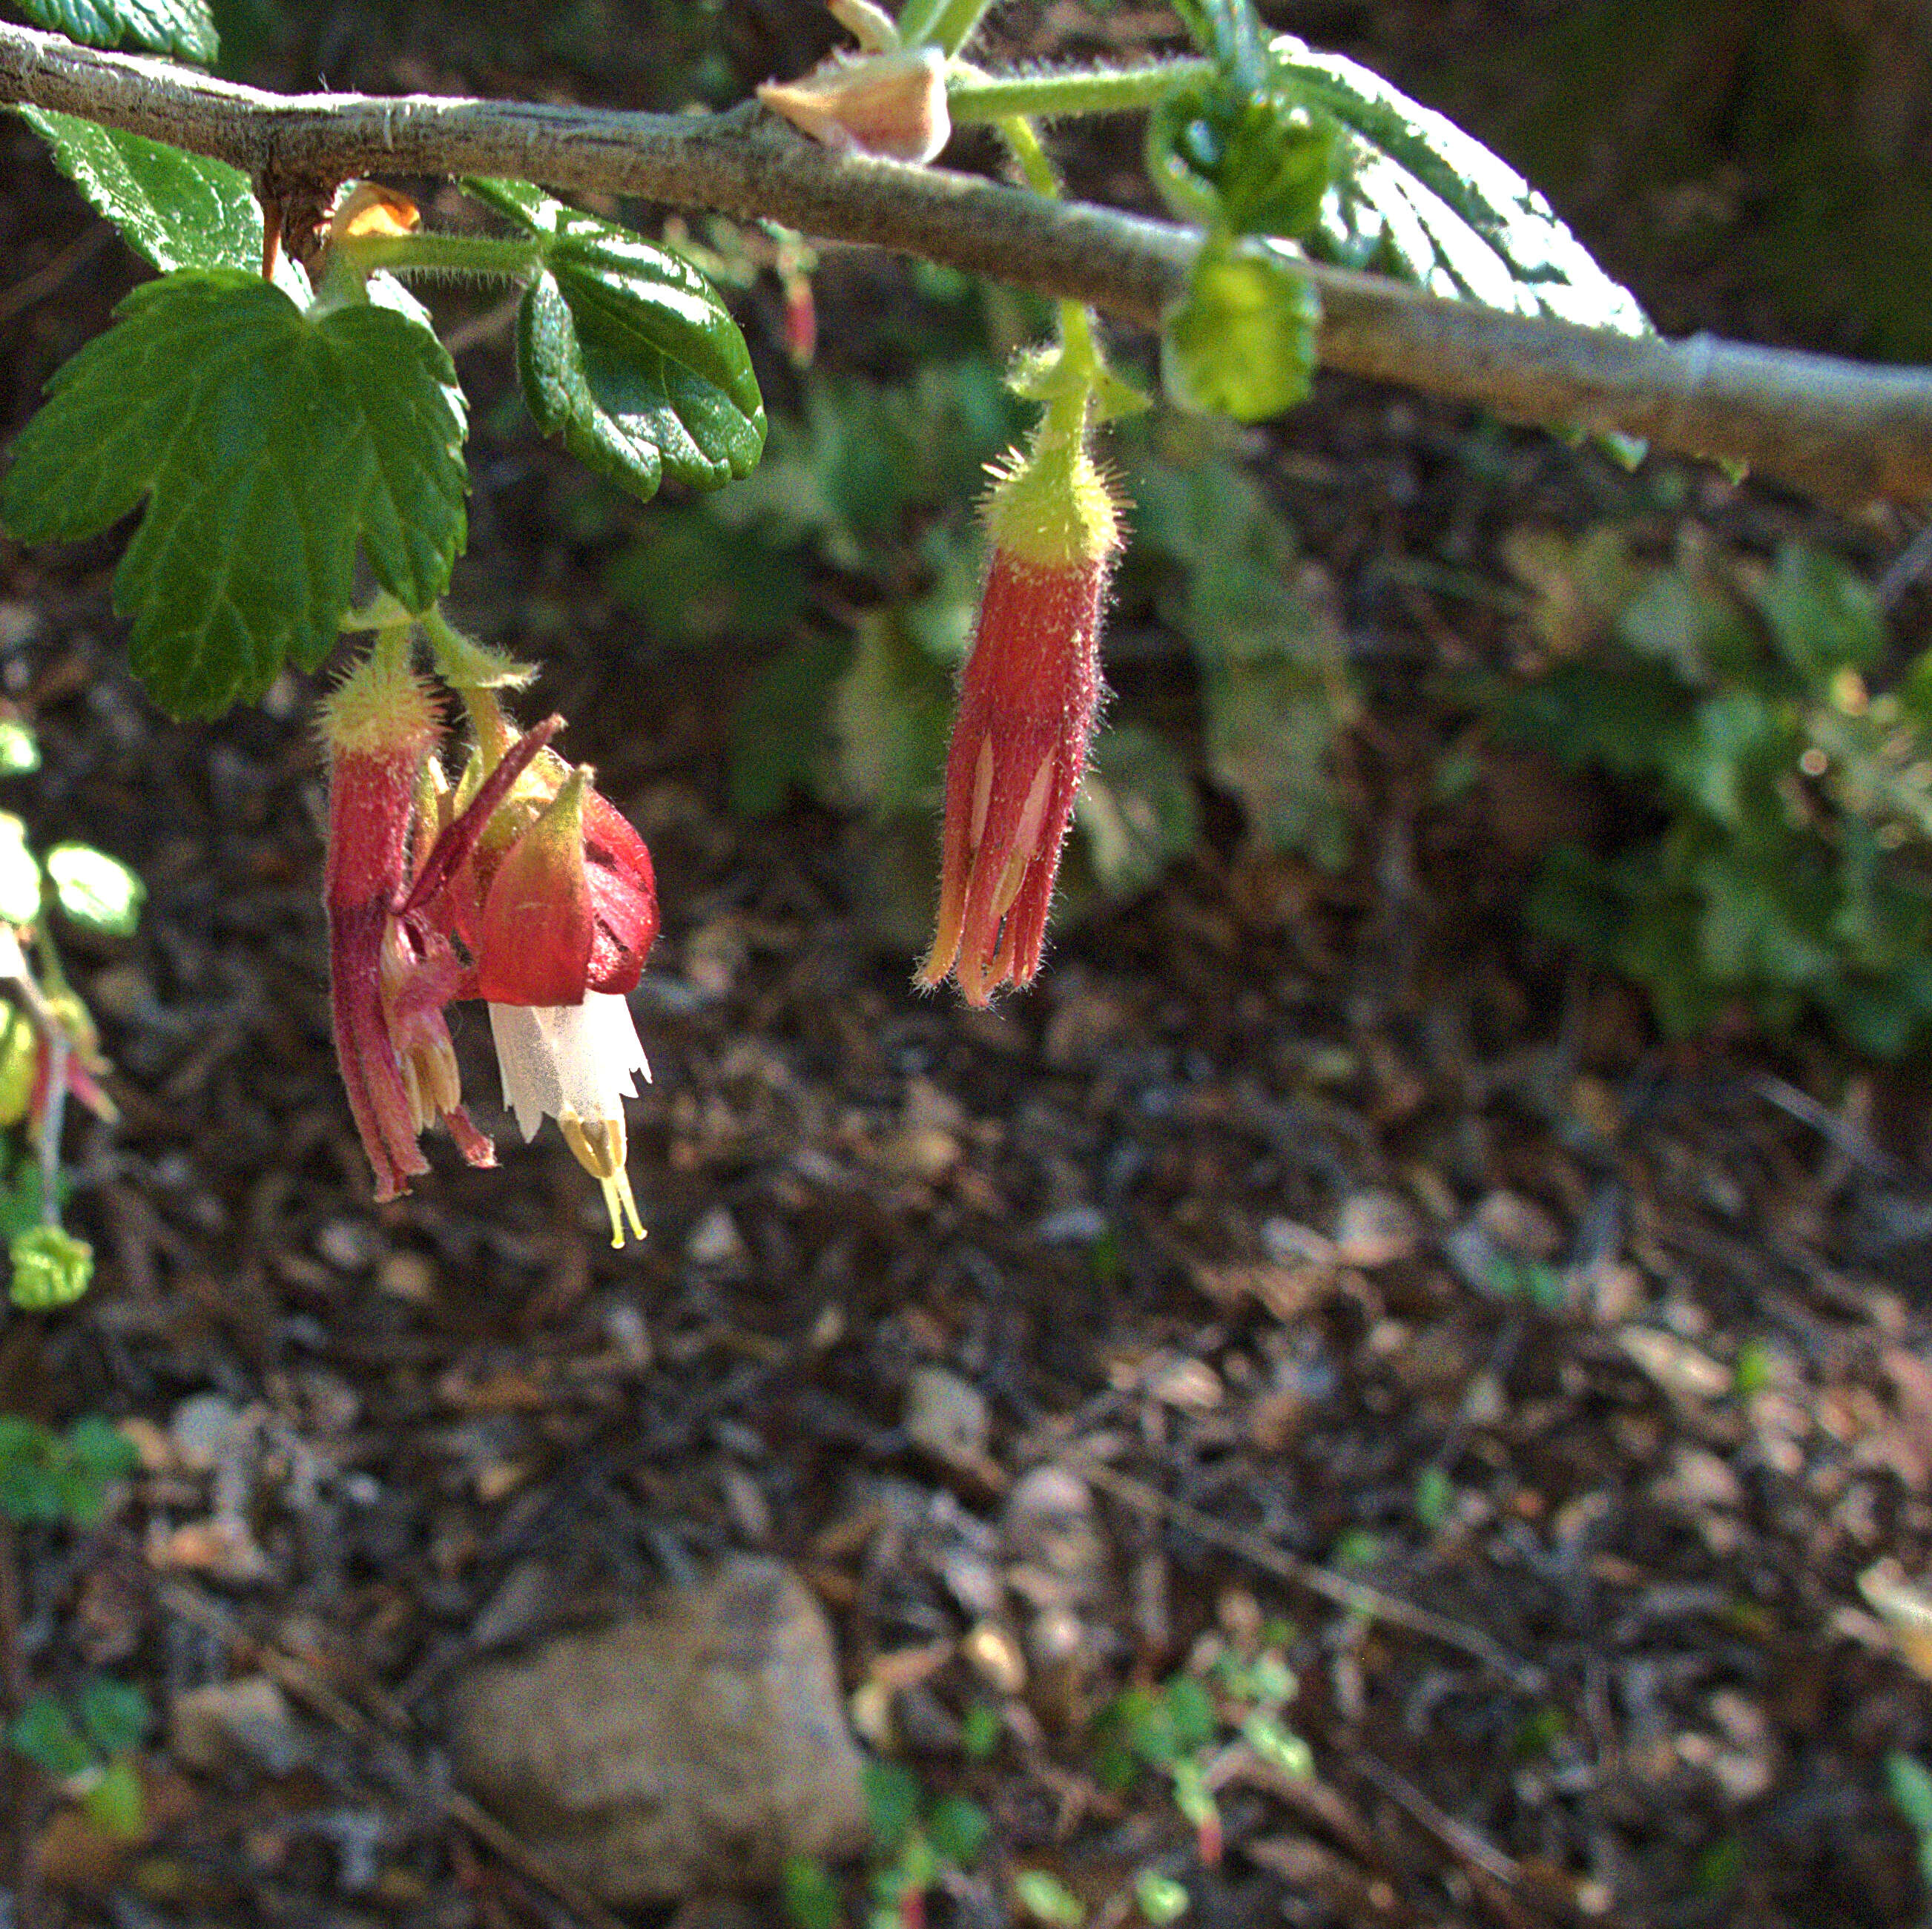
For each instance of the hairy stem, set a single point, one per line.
(430, 253)
(1846, 432)
(972, 96)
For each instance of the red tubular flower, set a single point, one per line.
(388, 982)
(550, 889)
(1028, 696)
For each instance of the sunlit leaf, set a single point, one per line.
(267, 442)
(1420, 199)
(97, 892)
(183, 28)
(628, 352)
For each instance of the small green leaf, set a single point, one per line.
(97, 892)
(1159, 1897)
(97, 1447)
(811, 1897)
(1911, 1789)
(1047, 1899)
(52, 1268)
(20, 749)
(628, 352)
(19, 1060)
(1243, 162)
(980, 1730)
(1821, 615)
(116, 1805)
(19, 873)
(957, 1829)
(893, 1797)
(1241, 340)
(177, 209)
(183, 28)
(1282, 1750)
(45, 1734)
(1420, 199)
(115, 1714)
(268, 441)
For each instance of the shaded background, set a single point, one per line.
(1310, 1187)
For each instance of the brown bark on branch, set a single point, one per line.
(1846, 431)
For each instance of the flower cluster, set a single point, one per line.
(519, 885)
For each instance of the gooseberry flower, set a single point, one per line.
(387, 983)
(1028, 697)
(575, 1063)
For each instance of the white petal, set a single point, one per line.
(578, 1059)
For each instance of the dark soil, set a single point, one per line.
(1212, 1218)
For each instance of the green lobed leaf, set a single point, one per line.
(175, 209)
(267, 442)
(1242, 162)
(52, 1268)
(627, 351)
(97, 892)
(1241, 340)
(1420, 199)
(45, 1734)
(183, 28)
(114, 1713)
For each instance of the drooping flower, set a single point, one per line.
(386, 988)
(575, 1063)
(523, 886)
(1028, 696)
(554, 894)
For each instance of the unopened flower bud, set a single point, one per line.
(892, 104)
(1028, 696)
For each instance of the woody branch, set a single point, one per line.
(1846, 432)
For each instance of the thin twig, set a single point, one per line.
(1846, 431)
(290, 1672)
(1371, 1602)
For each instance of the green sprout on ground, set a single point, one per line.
(916, 1840)
(89, 1749)
(51, 1479)
(1183, 1730)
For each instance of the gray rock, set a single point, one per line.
(693, 1747)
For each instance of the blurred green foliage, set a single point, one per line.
(851, 559)
(48, 1478)
(88, 1747)
(1787, 802)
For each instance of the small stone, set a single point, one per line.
(407, 1276)
(1374, 1229)
(1519, 1227)
(1052, 1540)
(348, 1245)
(947, 1417)
(714, 1241)
(202, 1430)
(1680, 1369)
(230, 1723)
(1190, 1385)
(989, 1646)
(697, 1747)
